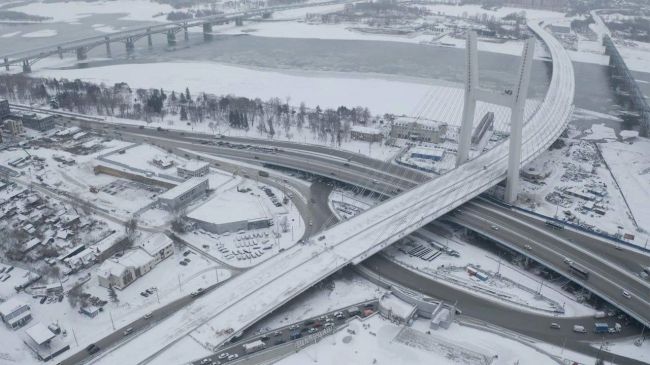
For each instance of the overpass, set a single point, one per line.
(220, 315)
(81, 47)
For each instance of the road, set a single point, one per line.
(141, 324)
(283, 334)
(530, 324)
(542, 244)
(302, 158)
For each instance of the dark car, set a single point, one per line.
(92, 349)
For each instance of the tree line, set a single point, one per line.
(271, 117)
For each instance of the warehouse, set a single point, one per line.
(231, 212)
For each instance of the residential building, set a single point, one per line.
(15, 313)
(367, 134)
(158, 245)
(39, 122)
(14, 127)
(417, 131)
(193, 169)
(120, 272)
(184, 193)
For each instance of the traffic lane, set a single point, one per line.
(624, 256)
(554, 256)
(383, 183)
(372, 166)
(527, 323)
(582, 257)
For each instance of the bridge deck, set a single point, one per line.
(252, 295)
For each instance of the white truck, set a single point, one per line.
(254, 346)
(600, 314)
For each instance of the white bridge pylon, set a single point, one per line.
(516, 101)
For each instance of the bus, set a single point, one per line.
(554, 225)
(578, 270)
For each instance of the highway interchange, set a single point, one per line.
(354, 169)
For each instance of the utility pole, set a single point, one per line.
(111, 317)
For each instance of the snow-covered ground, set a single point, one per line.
(628, 348)
(630, 164)
(72, 11)
(576, 168)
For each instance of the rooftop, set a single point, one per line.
(155, 242)
(182, 188)
(194, 165)
(364, 129)
(10, 306)
(229, 207)
(39, 333)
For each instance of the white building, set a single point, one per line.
(15, 313)
(184, 193)
(231, 212)
(193, 169)
(395, 309)
(158, 246)
(120, 272)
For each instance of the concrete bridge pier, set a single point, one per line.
(149, 40)
(207, 31)
(81, 53)
(107, 40)
(186, 33)
(60, 51)
(6, 63)
(130, 46)
(27, 68)
(239, 22)
(171, 38)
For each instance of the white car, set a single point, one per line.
(627, 294)
(232, 357)
(222, 356)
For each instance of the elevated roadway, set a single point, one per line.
(245, 299)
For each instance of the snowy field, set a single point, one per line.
(630, 165)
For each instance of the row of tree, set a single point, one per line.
(269, 117)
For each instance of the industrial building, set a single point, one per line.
(367, 134)
(13, 127)
(39, 122)
(44, 342)
(193, 169)
(417, 131)
(231, 212)
(184, 193)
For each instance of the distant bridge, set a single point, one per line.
(81, 47)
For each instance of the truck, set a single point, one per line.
(601, 327)
(254, 346)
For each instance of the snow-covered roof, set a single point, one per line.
(230, 207)
(155, 242)
(10, 306)
(397, 306)
(182, 188)
(110, 267)
(135, 258)
(366, 130)
(39, 333)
